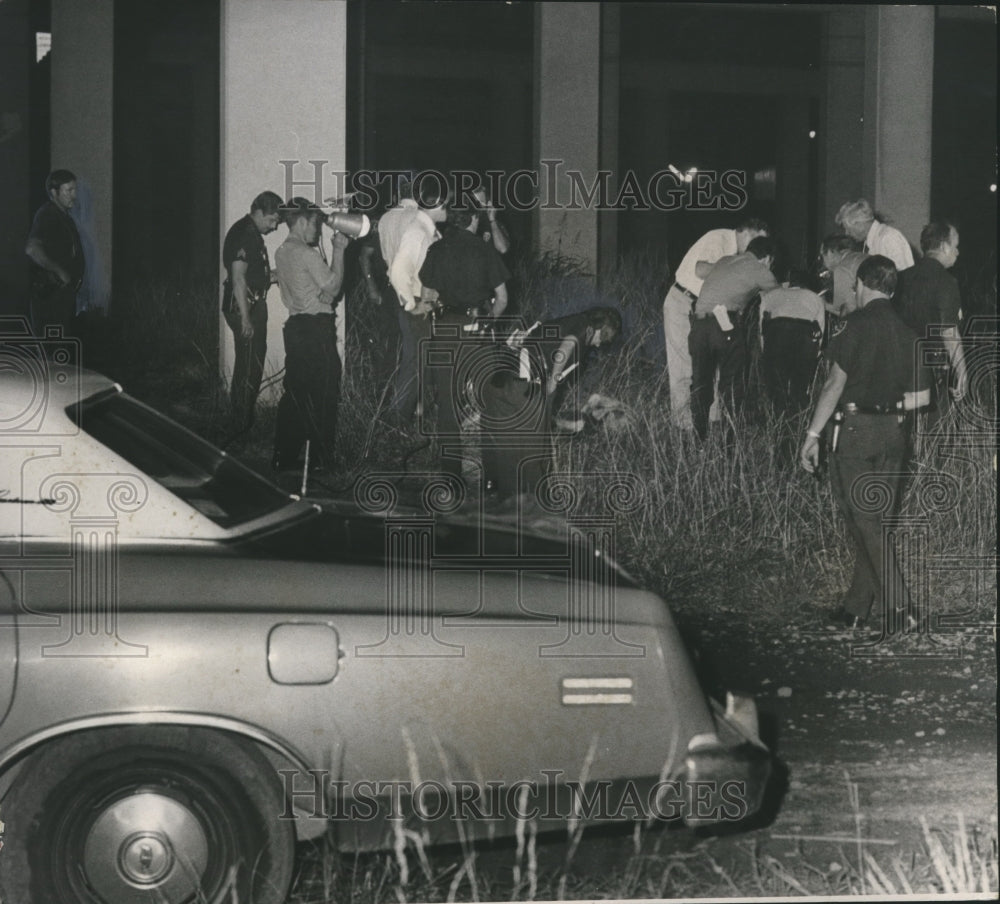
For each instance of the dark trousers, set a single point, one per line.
(713, 349)
(791, 352)
(517, 447)
(53, 306)
(308, 406)
(385, 345)
(413, 329)
(868, 477)
(248, 363)
(446, 366)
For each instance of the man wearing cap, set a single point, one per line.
(710, 248)
(244, 301)
(874, 381)
(858, 220)
(717, 340)
(56, 256)
(309, 285)
(405, 233)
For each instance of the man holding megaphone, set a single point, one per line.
(309, 288)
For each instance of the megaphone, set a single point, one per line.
(355, 225)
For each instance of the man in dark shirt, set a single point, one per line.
(873, 382)
(468, 276)
(244, 301)
(929, 303)
(56, 256)
(717, 340)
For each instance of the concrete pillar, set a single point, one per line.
(17, 56)
(842, 117)
(607, 222)
(284, 81)
(899, 91)
(82, 111)
(567, 124)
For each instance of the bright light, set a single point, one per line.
(673, 169)
(993, 188)
(812, 133)
(43, 43)
(692, 170)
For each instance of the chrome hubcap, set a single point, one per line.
(145, 847)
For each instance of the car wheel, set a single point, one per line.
(139, 814)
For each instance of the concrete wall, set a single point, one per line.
(899, 93)
(17, 55)
(82, 99)
(567, 119)
(284, 79)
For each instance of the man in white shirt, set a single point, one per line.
(405, 233)
(858, 220)
(678, 304)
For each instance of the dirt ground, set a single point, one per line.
(915, 734)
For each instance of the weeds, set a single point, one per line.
(731, 522)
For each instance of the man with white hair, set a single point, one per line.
(858, 220)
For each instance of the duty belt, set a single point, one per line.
(706, 315)
(851, 409)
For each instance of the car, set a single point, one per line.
(200, 669)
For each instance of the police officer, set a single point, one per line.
(872, 384)
(244, 301)
(469, 278)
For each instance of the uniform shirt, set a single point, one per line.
(464, 269)
(793, 302)
(405, 233)
(711, 247)
(302, 275)
(845, 277)
(245, 243)
(927, 297)
(733, 283)
(876, 351)
(56, 232)
(891, 243)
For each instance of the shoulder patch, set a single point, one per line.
(839, 327)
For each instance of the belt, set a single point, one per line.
(850, 409)
(687, 292)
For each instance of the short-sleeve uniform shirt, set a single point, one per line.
(928, 297)
(463, 268)
(793, 302)
(245, 243)
(57, 233)
(302, 276)
(875, 349)
(733, 283)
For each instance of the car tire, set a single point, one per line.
(146, 814)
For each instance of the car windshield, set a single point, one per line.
(189, 467)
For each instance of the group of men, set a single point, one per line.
(894, 347)
(434, 270)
